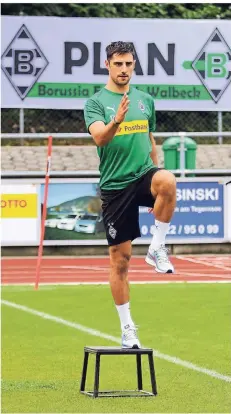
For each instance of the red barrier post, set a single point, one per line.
(44, 213)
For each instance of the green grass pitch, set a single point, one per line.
(42, 360)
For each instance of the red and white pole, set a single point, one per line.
(44, 213)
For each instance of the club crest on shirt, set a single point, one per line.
(141, 106)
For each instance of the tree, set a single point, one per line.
(138, 10)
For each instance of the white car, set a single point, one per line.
(90, 223)
(68, 222)
(52, 222)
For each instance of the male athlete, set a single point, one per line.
(121, 120)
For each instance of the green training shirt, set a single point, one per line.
(127, 156)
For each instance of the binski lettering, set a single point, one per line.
(197, 194)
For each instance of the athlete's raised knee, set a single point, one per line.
(164, 183)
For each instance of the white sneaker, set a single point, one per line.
(129, 337)
(159, 259)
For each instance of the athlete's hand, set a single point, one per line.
(122, 109)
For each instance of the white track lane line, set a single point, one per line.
(64, 257)
(99, 334)
(149, 282)
(89, 278)
(203, 262)
(11, 274)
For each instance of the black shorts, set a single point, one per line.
(121, 208)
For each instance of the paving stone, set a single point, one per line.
(75, 158)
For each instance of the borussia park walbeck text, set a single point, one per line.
(157, 91)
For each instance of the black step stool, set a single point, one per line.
(107, 350)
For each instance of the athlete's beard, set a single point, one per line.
(119, 82)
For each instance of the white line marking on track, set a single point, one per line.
(99, 334)
(148, 282)
(220, 276)
(203, 262)
(206, 256)
(57, 274)
(86, 267)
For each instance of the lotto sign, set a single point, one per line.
(19, 205)
(20, 213)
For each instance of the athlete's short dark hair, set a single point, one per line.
(120, 48)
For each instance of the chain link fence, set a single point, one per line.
(72, 121)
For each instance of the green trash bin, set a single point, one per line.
(171, 148)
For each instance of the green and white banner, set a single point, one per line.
(57, 63)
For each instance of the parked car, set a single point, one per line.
(53, 222)
(68, 222)
(90, 223)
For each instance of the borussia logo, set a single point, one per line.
(213, 65)
(141, 106)
(112, 231)
(23, 62)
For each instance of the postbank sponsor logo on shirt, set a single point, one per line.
(132, 127)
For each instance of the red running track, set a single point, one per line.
(91, 270)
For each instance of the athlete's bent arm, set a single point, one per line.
(101, 133)
(153, 153)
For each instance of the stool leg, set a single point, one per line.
(97, 368)
(139, 372)
(84, 372)
(152, 373)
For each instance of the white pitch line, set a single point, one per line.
(94, 332)
(89, 278)
(149, 282)
(89, 281)
(11, 274)
(203, 262)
